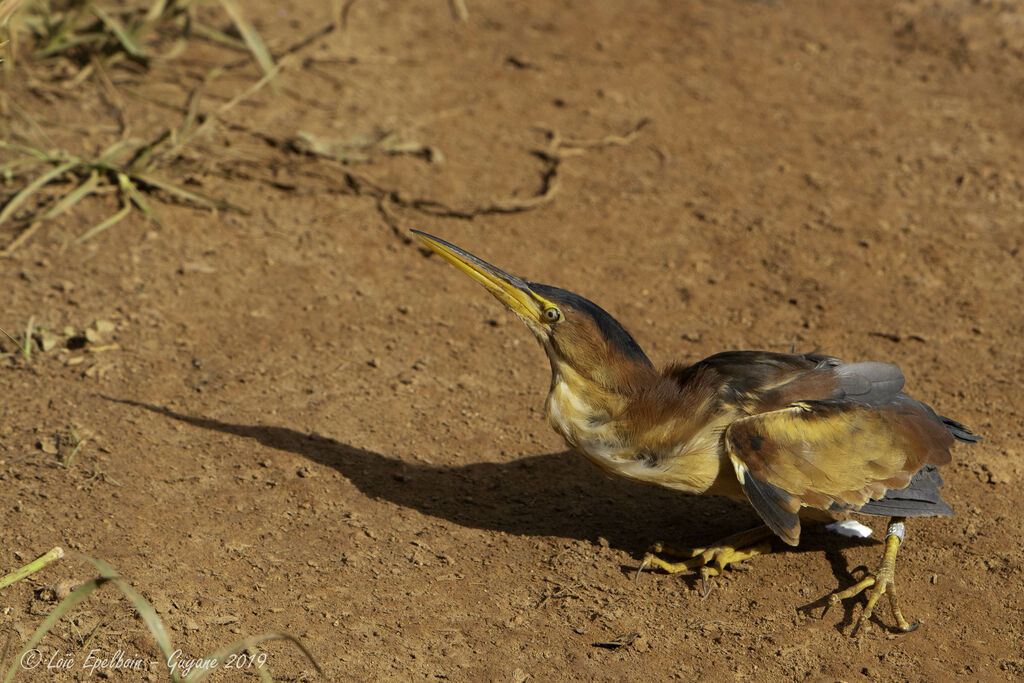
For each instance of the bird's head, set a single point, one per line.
(576, 333)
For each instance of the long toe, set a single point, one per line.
(711, 561)
(880, 582)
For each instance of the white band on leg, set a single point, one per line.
(896, 529)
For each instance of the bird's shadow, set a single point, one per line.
(558, 494)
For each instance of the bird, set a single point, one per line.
(792, 434)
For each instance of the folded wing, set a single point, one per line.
(833, 453)
(818, 432)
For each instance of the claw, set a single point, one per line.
(833, 600)
(643, 565)
(648, 556)
(704, 587)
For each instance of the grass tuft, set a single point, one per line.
(77, 443)
(24, 345)
(149, 617)
(92, 35)
(79, 178)
(82, 31)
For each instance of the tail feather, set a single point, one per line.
(959, 431)
(955, 429)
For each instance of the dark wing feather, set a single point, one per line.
(777, 508)
(761, 381)
(757, 381)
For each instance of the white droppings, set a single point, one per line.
(850, 528)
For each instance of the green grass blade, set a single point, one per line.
(133, 194)
(7, 8)
(107, 155)
(126, 39)
(57, 46)
(156, 10)
(103, 225)
(249, 34)
(11, 337)
(9, 168)
(7, 646)
(66, 25)
(142, 27)
(186, 138)
(195, 198)
(33, 566)
(31, 151)
(26, 343)
(145, 610)
(31, 188)
(188, 121)
(250, 643)
(71, 456)
(73, 197)
(219, 37)
(143, 155)
(66, 605)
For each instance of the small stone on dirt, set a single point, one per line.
(47, 340)
(47, 444)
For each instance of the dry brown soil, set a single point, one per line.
(300, 422)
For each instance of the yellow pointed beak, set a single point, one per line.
(508, 289)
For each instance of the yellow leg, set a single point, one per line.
(880, 582)
(712, 560)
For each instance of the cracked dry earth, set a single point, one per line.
(293, 420)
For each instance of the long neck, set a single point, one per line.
(645, 429)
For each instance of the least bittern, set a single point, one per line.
(780, 431)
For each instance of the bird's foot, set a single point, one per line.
(880, 582)
(712, 560)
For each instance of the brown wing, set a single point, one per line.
(823, 433)
(831, 452)
(762, 381)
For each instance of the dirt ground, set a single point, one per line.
(294, 420)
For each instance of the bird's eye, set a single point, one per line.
(552, 315)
